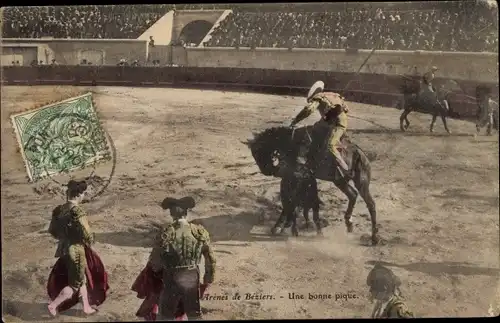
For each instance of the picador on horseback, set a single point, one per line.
(333, 110)
(422, 96)
(427, 80)
(280, 152)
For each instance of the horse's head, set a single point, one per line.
(273, 150)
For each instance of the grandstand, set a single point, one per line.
(434, 26)
(441, 30)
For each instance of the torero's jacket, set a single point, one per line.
(70, 226)
(182, 244)
(395, 308)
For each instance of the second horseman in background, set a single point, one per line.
(428, 78)
(170, 283)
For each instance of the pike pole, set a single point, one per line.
(359, 69)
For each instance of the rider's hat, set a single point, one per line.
(434, 68)
(184, 203)
(316, 88)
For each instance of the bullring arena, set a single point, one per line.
(436, 196)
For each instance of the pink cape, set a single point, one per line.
(97, 281)
(148, 286)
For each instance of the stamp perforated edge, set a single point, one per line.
(46, 105)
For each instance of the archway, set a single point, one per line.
(195, 31)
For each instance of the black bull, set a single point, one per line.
(298, 189)
(288, 146)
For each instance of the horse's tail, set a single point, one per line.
(451, 113)
(368, 156)
(361, 162)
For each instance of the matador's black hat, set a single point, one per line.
(183, 203)
(382, 278)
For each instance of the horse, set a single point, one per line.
(421, 99)
(287, 147)
(298, 188)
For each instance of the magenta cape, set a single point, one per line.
(148, 286)
(97, 281)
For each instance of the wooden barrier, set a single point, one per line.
(367, 88)
(480, 67)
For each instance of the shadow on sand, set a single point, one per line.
(138, 236)
(239, 227)
(254, 223)
(462, 194)
(440, 268)
(227, 227)
(408, 133)
(222, 228)
(459, 169)
(33, 311)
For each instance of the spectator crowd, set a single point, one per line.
(464, 26)
(462, 29)
(93, 22)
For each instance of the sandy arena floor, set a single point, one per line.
(436, 195)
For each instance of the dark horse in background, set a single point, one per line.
(417, 97)
(279, 150)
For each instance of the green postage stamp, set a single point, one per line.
(61, 137)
